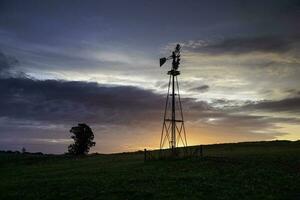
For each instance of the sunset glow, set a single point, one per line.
(62, 64)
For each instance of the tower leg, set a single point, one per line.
(173, 129)
(165, 128)
(173, 115)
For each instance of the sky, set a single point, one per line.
(97, 62)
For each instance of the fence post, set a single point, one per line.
(201, 151)
(145, 154)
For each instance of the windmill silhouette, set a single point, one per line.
(173, 132)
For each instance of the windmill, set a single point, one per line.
(173, 132)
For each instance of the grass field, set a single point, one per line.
(262, 170)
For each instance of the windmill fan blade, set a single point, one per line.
(162, 61)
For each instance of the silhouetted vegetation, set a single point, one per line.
(83, 137)
(18, 152)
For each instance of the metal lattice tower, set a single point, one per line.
(173, 131)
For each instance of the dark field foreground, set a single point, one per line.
(264, 170)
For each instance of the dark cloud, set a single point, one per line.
(291, 105)
(60, 101)
(292, 92)
(6, 62)
(242, 45)
(39, 108)
(63, 102)
(202, 88)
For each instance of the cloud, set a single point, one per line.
(291, 105)
(243, 45)
(6, 62)
(61, 102)
(57, 100)
(292, 92)
(121, 49)
(202, 88)
(42, 111)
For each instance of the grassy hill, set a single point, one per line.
(253, 170)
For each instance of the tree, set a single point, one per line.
(23, 150)
(83, 137)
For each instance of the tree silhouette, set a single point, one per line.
(23, 150)
(83, 139)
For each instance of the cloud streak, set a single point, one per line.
(291, 105)
(244, 45)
